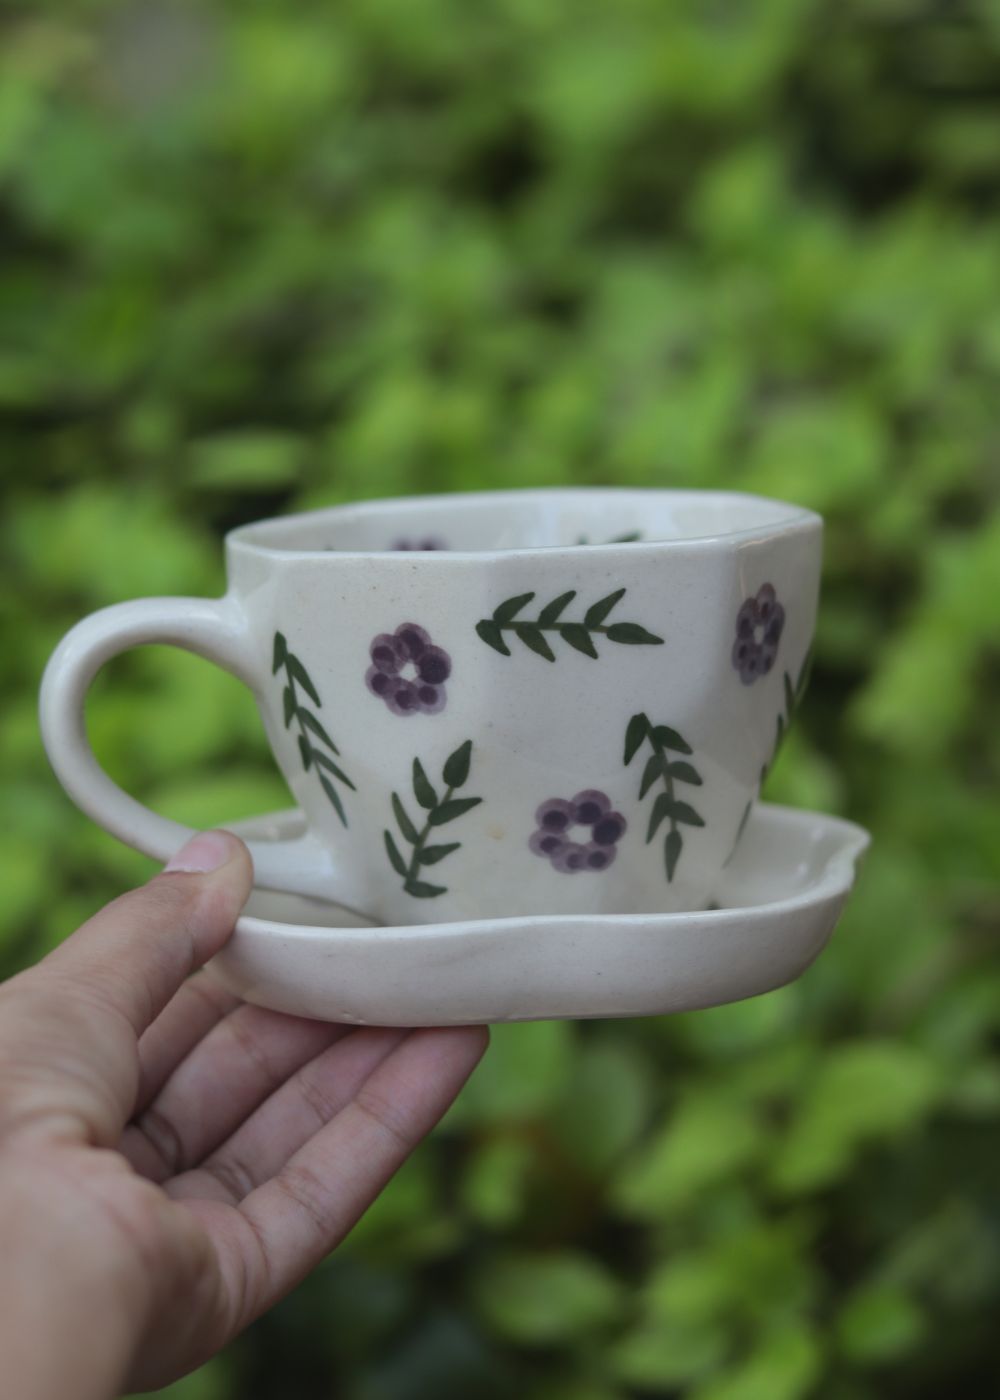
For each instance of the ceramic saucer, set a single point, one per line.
(780, 899)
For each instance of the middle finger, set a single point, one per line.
(235, 1068)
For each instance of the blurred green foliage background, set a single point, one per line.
(259, 256)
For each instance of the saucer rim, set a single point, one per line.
(836, 878)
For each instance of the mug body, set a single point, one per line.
(529, 702)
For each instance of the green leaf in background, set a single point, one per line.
(580, 1386)
(710, 1138)
(528, 1067)
(135, 729)
(878, 1323)
(865, 1092)
(545, 1298)
(654, 1357)
(921, 1261)
(402, 1224)
(945, 631)
(214, 798)
(756, 1038)
(213, 1381)
(495, 1181)
(24, 877)
(785, 1366)
(245, 461)
(758, 1272)
(843, 431)
(611, 1086)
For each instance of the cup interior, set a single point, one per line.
(548, 519)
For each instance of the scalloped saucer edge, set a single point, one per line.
(779, 901)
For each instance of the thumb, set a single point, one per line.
(70, 1025)
(136, 951)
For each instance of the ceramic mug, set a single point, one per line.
(520, 702)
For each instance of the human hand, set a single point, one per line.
(173, 1162)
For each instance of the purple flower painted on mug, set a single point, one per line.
(759, 624)
(556, 820)
(408, 671)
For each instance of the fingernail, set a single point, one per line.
(206, 851)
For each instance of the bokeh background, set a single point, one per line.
(258, 256)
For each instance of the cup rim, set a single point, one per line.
(789, 518)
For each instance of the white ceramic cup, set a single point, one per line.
(521, 702)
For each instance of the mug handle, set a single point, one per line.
(215, 629)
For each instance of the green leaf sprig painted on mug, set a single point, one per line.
(793, 691)
(661, 767)
(440, 811)
(316, 756)
(579, 635)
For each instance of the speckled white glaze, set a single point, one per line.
(781, 896)
(330, 582)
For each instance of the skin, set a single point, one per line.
(172, 1161)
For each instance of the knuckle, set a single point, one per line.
(164, 1138)
(162, 899)
(316, 1099)
(232, 1174)
(188, 899)
(305, 1189)
(386, 1116)
(240, 1027)
(217, 1001)
(253, 1286)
